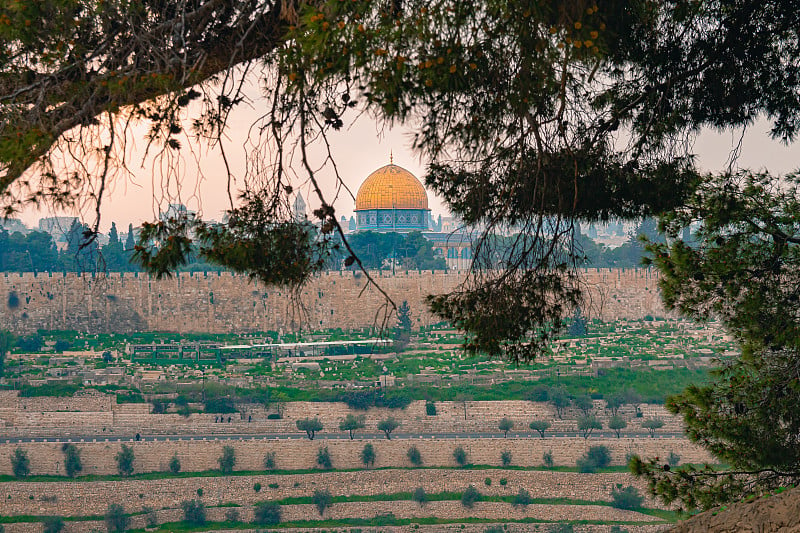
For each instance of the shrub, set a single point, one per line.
(505, 458)
(219, 405)
(617, 424)
(626, 498)
(595, 458)
(414, 456)
(503, 481)
(494, 529)
(116, 519)
(522, 498)
(673, 459)
(324, 458)
(267, 513)
(420, 496)
(368, 455)
(20, 464)
(274, 416)
(175, 464)
(505, 425)
(587, 424)
(200, 492)
(150, 516)
(470, 497)
(53, 524)
(232, 515)
(599, 455)
(310, 425)
(125, 461)
(540, 393)
(585, 404)
(351, 423)
(227, 460)
(540, 425)
(460, 456)
(194, 512)
(387, 426)
(652, 424)
(547, 459)
(618, 529)
(72, 460)
(269, 461)
(61, 345)
(257, 486)
(430, 408)
(322, 499)
(487, 481)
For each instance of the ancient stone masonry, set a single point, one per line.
(224, 302)
(94, 413)
(98, 456)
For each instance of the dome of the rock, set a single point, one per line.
(392, 199)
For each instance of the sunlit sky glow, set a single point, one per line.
(358, 149)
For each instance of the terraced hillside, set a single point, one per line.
(465, 475)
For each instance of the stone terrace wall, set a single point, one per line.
(98, 415)
(88, 498)
(99, 457)
(139, 523)
(223, 303)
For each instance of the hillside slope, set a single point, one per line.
(779, 512)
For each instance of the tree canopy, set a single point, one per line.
(532, 115)
(743, 272)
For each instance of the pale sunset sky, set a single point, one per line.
(359, 149)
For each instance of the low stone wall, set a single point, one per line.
(82, 527)
(88, 498)
(99, 457)
(79, 417)
(449, 509)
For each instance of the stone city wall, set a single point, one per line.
(293, 454)
(225, 302)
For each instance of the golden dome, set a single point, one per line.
(391, 187)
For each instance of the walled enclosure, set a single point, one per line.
(225, 303)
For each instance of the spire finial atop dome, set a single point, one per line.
(391, 157)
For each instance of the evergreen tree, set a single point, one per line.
(113, 235)
(577, 327)
(745, 272)
(130, 240)
(402, 332)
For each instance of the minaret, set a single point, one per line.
(299, 209)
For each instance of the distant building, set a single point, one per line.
(175, 211)
(299, 209)
(58, 227)
(392, 199)
(12, 225)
